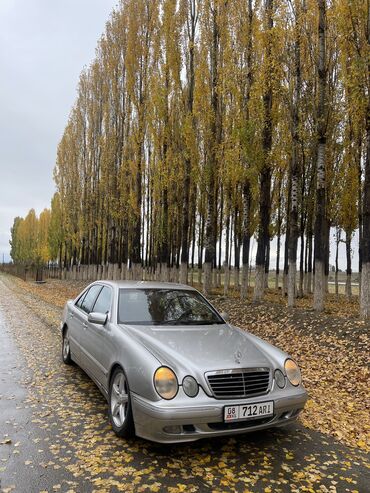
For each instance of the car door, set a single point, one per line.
(97, 338)
(74, 324)
(81, 318)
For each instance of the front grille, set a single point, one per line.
(235, 384)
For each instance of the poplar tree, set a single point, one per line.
(365, 250)
(321, 218)
(295, 158)
(266, 171)
(191, 13)
(213, 17)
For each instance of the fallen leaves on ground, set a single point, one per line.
(71, 412)
(333, 355)
(332, 349)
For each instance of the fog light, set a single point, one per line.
(280, 379)
(174, 430)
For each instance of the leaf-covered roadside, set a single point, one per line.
(333, 353)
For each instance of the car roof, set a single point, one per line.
(145, 285)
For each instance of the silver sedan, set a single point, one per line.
(172, 368)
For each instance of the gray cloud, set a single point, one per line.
(43, 47)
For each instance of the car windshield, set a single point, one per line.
(165, 307)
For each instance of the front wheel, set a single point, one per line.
(66, 350)
(120, 411)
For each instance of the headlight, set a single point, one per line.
(165, 382)
(280, 378)
(190, 386)
(292, 372)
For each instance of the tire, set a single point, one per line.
(66, 350)
(119, 405)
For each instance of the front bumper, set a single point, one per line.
(189, 419)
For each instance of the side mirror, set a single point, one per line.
(97, 318)
(225, 316)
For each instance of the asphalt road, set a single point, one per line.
(55, 436)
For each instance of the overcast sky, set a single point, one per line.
(44, 44)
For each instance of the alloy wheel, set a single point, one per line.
(119, 399)
(65, 346)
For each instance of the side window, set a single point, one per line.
(102, 304)
(90, 298)
(81, 298)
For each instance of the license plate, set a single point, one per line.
(248, 411)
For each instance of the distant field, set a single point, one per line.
(271, 281)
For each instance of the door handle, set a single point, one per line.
(84, 325)
(71, 315)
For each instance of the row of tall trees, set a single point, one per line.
(201, 124)
(31, 242)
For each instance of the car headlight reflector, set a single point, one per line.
(279, 379)
(190, 386)
(165, 383)
(292, 372)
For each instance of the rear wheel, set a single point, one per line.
(66, 350)
(120, 411)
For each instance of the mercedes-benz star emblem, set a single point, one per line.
(238, 356)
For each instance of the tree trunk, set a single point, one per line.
(200, 248)
(321, 220)
(286, 243)
(348, 289)
(293, 240)
(307, 276)
(192, 21)
(265, 174)
(301, 265)
(227, 253)
(309, 260)
(305, 267)
(210, 240)
(165, 249)
(221, 220)
(360, 206)
(277, 268)
(263, 234)
(236, 250)
(267, 264)
(246, 239)
(327, 255)
(365, 243)
(193, 243)
(136, 236)
(247, 198)
(295, 170)
(365, 274)
(337, 241)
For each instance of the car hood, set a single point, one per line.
(198, 349)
